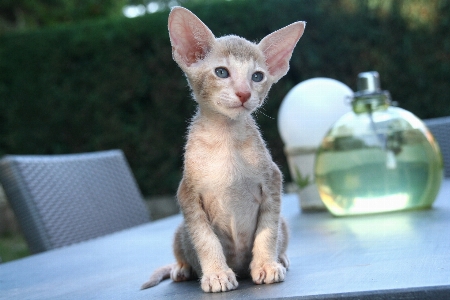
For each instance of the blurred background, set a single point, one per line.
(79, 76)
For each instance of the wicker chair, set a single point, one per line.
(440, 128)
(59, 200)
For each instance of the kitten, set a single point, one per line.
(230, 193)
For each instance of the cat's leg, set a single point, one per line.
(182, 270)
(283, 239)
(265, 266)
(216, 276)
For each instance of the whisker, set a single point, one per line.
(259, 110)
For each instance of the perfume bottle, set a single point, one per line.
(377, 158)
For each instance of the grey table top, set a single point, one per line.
(387, 256)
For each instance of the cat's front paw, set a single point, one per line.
(219, 282)
(267, 272)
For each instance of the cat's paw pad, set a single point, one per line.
(268, 273)
(219, 282)
(181, 272)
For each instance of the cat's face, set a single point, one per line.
(232, 79)
(229, 75)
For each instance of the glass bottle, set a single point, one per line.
(377, 158)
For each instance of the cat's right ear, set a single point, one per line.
(191, 39)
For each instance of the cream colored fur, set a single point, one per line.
(230, 194)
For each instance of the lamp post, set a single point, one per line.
(306, 113)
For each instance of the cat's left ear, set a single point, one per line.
(278, 47)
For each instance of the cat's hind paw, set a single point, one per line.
(181, 272)
(284, 260)
(219, 282)
(268, 273)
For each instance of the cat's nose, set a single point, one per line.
(243, 96)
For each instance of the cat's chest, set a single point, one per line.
(227, 161)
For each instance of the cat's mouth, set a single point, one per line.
(237, 109)
(239, 106)
(240, 109)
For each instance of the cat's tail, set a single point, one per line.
(158, 276)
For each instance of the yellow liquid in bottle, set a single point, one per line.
(359, 179)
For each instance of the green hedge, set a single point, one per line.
(113, 84)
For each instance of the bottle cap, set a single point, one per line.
(368, 82)
(369, 96)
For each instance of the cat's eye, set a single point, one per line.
(222, 72)
(257, 76)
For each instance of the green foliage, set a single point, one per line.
(12, 246)
(26, 14)
(300, 180)
(113, 84)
